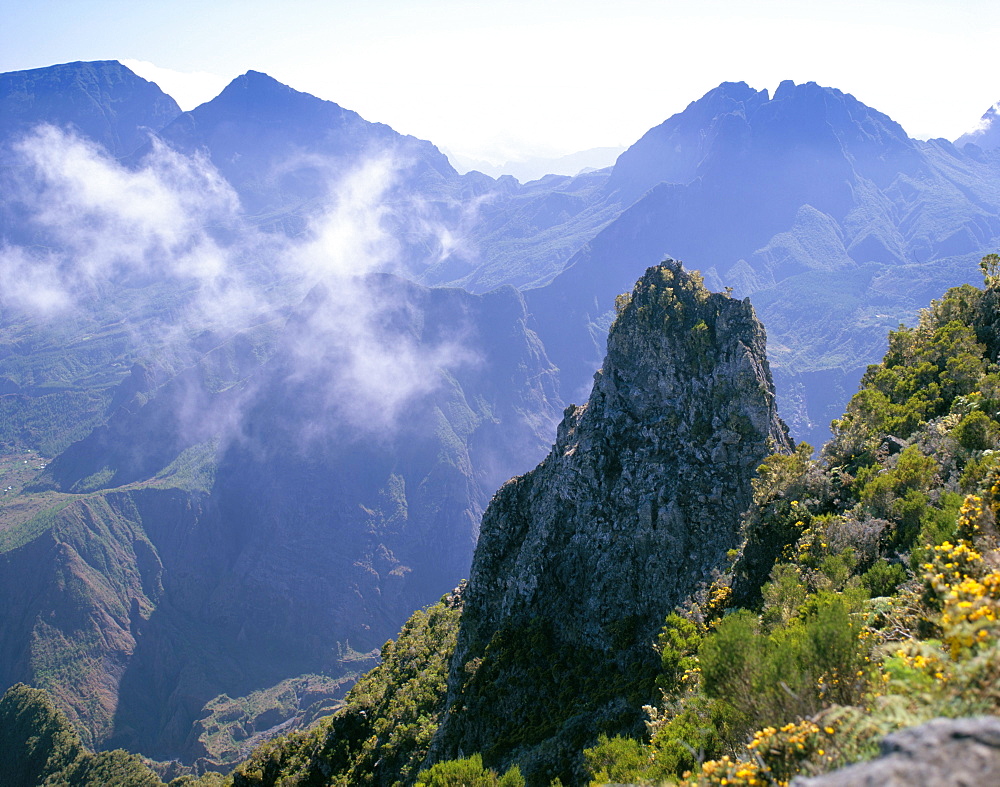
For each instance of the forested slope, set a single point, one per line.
(863, 598)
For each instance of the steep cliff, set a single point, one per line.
(580, 560)
(272, 514)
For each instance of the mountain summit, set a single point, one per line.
(580, 560)
(280, 147)
(804, 197)
(103, 101)
(986, 135)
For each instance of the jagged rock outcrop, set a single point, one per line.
(580, 560)
(940, 753)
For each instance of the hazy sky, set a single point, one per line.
(499, 80)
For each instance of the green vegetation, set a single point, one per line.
(382, 734)
(42, 748)
(990, 266)
(193, 470)
(866, 595)
(561, 676)
(232, 726)
(57, 377)
(21, 533)
(51, 421)
(468, 773)
(865, 598)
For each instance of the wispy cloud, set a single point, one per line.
(174, 221)
(349, 238)
(104, 223)
(31, 281)
(985, 122)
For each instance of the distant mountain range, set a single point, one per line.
(820, 209)
(535, 167)
(280, 357)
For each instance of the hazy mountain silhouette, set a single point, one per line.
(102, 101)
(278, 146)
(814, 205)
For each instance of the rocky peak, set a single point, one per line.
(280, 147)
(580, 560)
(672, 151)
(102, 101)
(737, 133)
(259, 97)
(812, 115)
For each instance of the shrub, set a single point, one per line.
(795, 670)
(617, 760)
(976, 432)
(678, 646)
(468, 773)
(883, 578)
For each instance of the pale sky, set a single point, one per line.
(499, 81)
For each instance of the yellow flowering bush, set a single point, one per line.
(727, 770)
(960, 584)
(774, 756)
(948, 566)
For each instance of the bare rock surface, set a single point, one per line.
(940, 753)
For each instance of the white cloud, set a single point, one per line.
(349, 238)
(31, 282)
(106, 225)
(173, 220)
(362, 349)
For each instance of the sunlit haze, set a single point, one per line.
(505, 81)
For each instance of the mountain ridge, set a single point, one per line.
(97, 92)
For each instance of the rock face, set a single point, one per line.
(580, 560)
(940, 753)
(102, 101)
